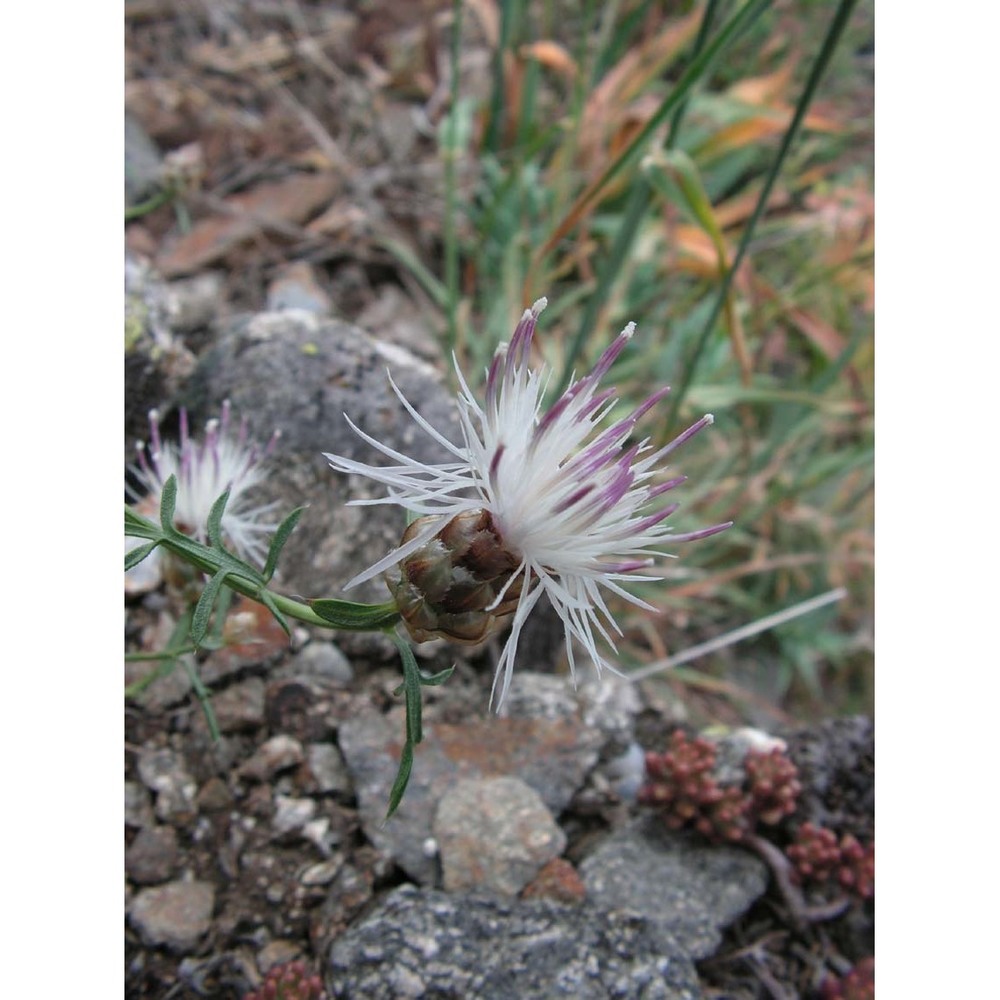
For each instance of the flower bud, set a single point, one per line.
(449, 587)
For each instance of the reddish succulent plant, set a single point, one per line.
(681, 781)
(289, 981)
(774, 785)
(857, 867)
(858, 984)
(815, 853)
(818, 856)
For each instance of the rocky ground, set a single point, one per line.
(520, 863)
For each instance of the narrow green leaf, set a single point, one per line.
(411, 685)
(135, 556)
(682, 170)
(278, 541)
(830, 40)
(215, 520)
(204, 697)
(360, 617)
(203, 609)
(267, 599)
(433, 680)
(168, 503)
(137, 525)
(402, 779)
(217, 638)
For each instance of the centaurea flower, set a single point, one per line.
(534, 502)
(223, 459)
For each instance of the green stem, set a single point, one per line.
(450, 184)
(240, 577)
(833, 34)
(151, 204)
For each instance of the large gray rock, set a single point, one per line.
(175, 915)
(494, 833)
(544, 742)
(300, 374)
(689, 890)
(426, 943)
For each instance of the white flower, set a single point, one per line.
(222, 460)
(571, 505)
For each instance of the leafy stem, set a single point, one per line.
(224, 568)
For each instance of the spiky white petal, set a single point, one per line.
(223, 459)
(570, 500)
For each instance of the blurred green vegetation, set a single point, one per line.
(630, 155)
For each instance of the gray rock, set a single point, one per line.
(610, 704)
(175, 915)
(494, 833)
(315, 371)
(322, 659)
(143, 163)
(191, 304)
(277, 754)
(327, 765)
(291, 814)
(164, 772)
(157, 361)
(138, 807)
(240, 707)
(540, 696)
(152, 857)
(426, 943)
(550, 755)
(689, 891)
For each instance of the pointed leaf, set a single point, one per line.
(278, 541)
(411, 684)
(137, 526)
(433, 680)
(214, 525)
(203, 609)
(402, 779)
(168, 502)
(360, 617)
(135, 556)
(204, 697)
(267, 600)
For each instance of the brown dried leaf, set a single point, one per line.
(552, 55)
(238, 59)
(289, 202)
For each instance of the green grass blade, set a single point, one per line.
(830, 41)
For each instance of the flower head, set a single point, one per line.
(223, 460)
(566, 506)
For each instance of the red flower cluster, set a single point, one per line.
(290, 981)
(818, 856)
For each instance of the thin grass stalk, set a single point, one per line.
(638, 203)
(739, 634)
(510, 17)
(830, 41)
(451, 185)
(742, 20)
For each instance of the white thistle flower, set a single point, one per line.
(568, 506)
(222, 460)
